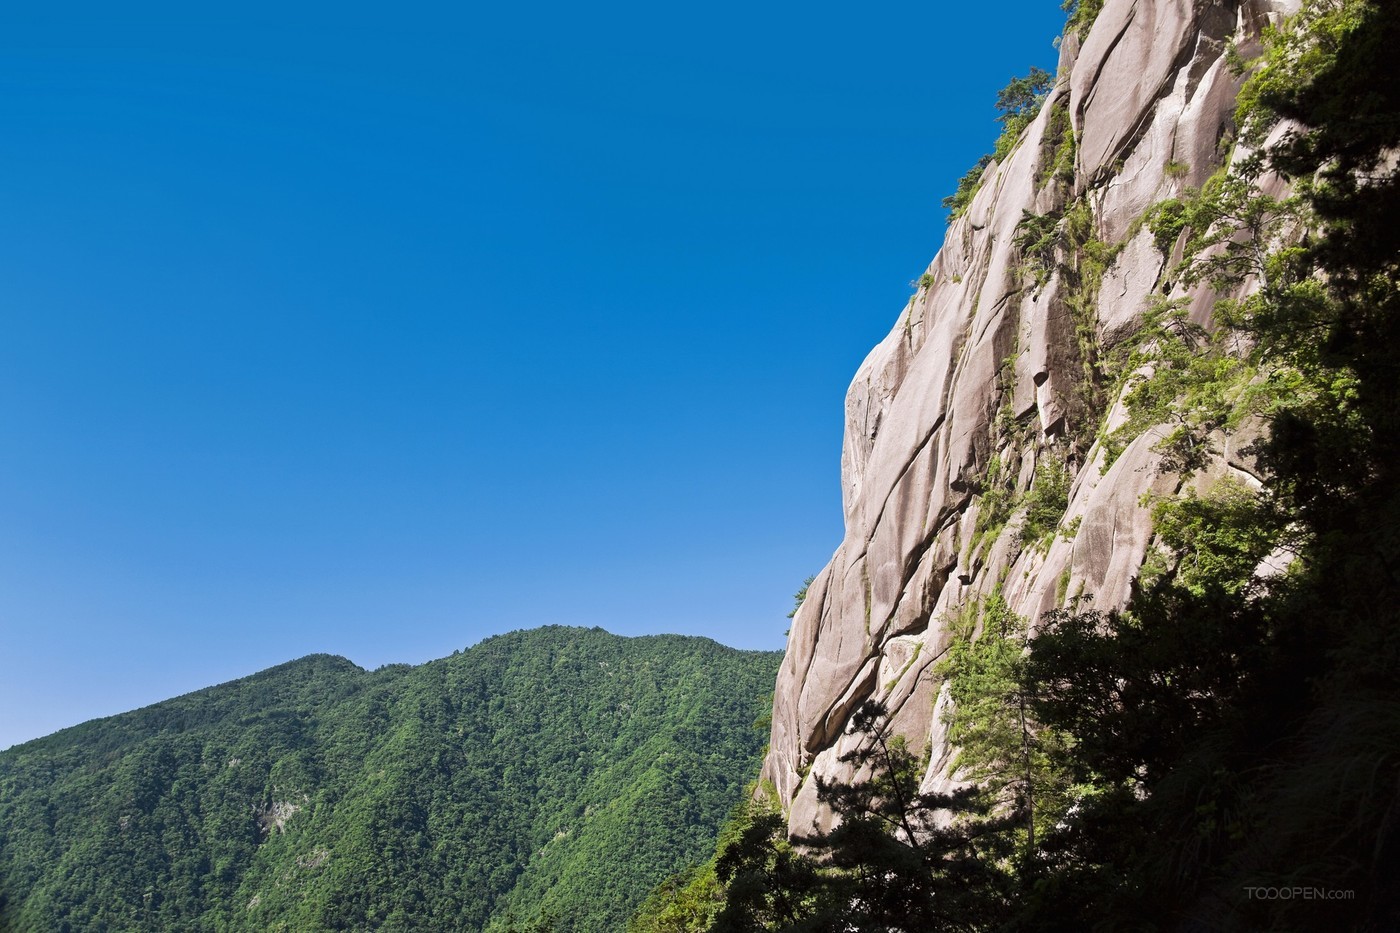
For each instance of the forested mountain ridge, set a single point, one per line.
(547, 777)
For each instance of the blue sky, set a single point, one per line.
(375, 330)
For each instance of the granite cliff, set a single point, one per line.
(992, 398)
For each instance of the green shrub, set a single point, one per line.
(1018, 103)
(800, 596)
(1082, 14)
(1045, 502)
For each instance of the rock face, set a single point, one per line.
(988, 373)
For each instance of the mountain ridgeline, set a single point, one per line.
(544, 779)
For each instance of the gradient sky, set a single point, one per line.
(377, 329)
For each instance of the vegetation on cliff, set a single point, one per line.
(1017, 105)
(1223, 753)
(544, 779)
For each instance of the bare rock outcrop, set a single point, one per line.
(984, 379)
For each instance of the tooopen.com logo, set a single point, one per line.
(1298, 894)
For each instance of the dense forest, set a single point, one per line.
(1224, 752)
(545, 779)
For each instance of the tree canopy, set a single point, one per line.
(544, 779)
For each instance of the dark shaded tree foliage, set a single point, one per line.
(1247, 732)
(898, 860)
(542, 780)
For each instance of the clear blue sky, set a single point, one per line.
(377, 329)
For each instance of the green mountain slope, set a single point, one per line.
(550, 775)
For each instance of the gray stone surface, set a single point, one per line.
(983, 363)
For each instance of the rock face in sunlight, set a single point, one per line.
(990, 403)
